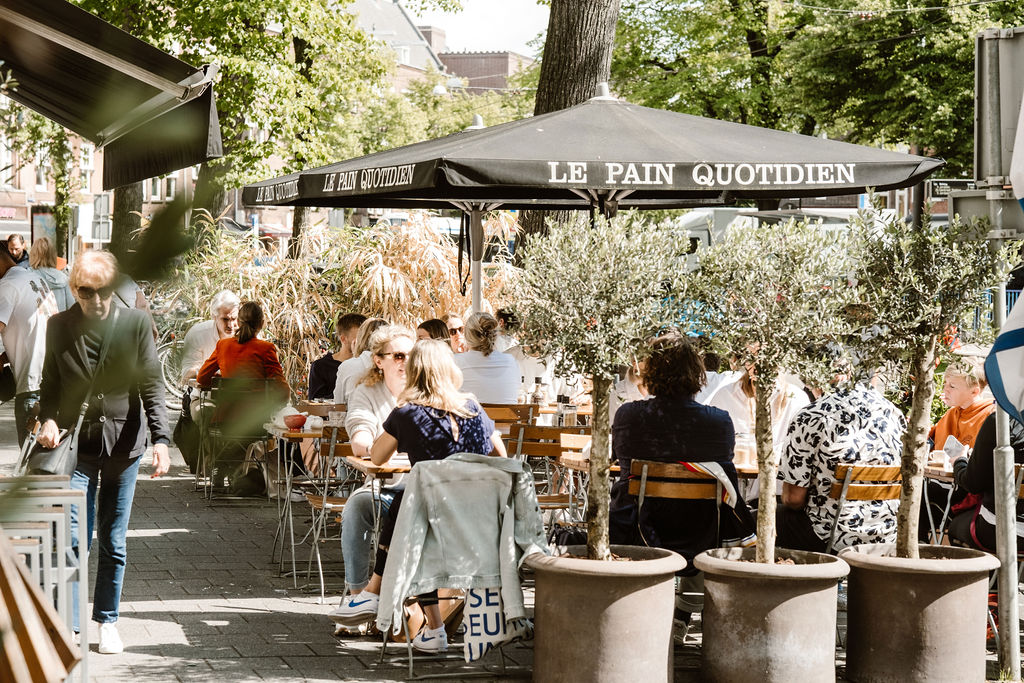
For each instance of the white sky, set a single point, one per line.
(490, 25)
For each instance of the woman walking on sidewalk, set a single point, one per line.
(88, 346)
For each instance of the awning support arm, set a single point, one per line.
(190, 88)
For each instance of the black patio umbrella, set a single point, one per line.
(151, 112)
(603, 154)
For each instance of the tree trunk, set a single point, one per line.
(300, 221)
(767, 471)
(125, 219)
(915, 451)
(577, 56)
(60, 159)
(598, 489)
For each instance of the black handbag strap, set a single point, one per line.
(104, 347)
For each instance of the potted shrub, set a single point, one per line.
(590, 295)
(768, 294)
(915, 285)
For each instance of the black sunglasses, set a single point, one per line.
(456, 330)
(397, 355)
(88, 293)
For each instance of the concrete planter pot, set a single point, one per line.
(917, 620)
(604, 622)
(769, 622)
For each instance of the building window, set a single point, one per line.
(86, 165)
(171, 187)
(154, 189)
(403, 54)
(42, 170)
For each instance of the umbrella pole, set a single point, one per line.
(476, 246)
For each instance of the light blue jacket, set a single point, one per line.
(466, 522)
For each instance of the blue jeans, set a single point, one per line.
(113, 479)
(357, 535)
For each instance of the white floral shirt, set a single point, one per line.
(849, 426)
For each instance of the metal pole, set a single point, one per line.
(1005, 496)
(476, 233)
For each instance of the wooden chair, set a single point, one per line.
(544, 446)
(670, 480)
(862, 482)
(505, 415)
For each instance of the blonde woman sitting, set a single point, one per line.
(432, 421)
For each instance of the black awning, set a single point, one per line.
(600, 152)
(154, 111)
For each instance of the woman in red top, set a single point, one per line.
(244, 356)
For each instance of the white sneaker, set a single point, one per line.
(359, 609)
(431, 640)
(110, 640)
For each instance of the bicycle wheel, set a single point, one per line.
(169, 354)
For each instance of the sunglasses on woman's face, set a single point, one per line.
(87, 293)
(399, 356)
(456, 330)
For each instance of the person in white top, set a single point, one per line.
(628, 389)
(507, 323)
(26, 303)
(201, 339)
(353, 369)
(712, 367)
(737, 399)
(369, 406)
(491, 376)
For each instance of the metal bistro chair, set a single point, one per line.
(654, 479)
(322, 499)
(543, 446)
(573, 445)
(241, 407)
(862, 482)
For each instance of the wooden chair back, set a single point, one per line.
(862, 482)
(653, 479)
(532, 441)
(866, 482)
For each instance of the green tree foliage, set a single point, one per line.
(902, 72)
(769, 295)
(714, 58)
(915, 287)
(591, 296)
(877, 72)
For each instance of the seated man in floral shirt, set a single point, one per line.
(850, 426)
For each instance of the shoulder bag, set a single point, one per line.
(63, 458)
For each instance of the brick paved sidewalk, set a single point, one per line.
(202, 600)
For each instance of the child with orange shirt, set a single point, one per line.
(961, 391)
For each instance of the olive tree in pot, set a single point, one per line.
(769, 295)
(915, 286)
(589, 295)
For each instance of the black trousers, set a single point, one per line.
(794, 531)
